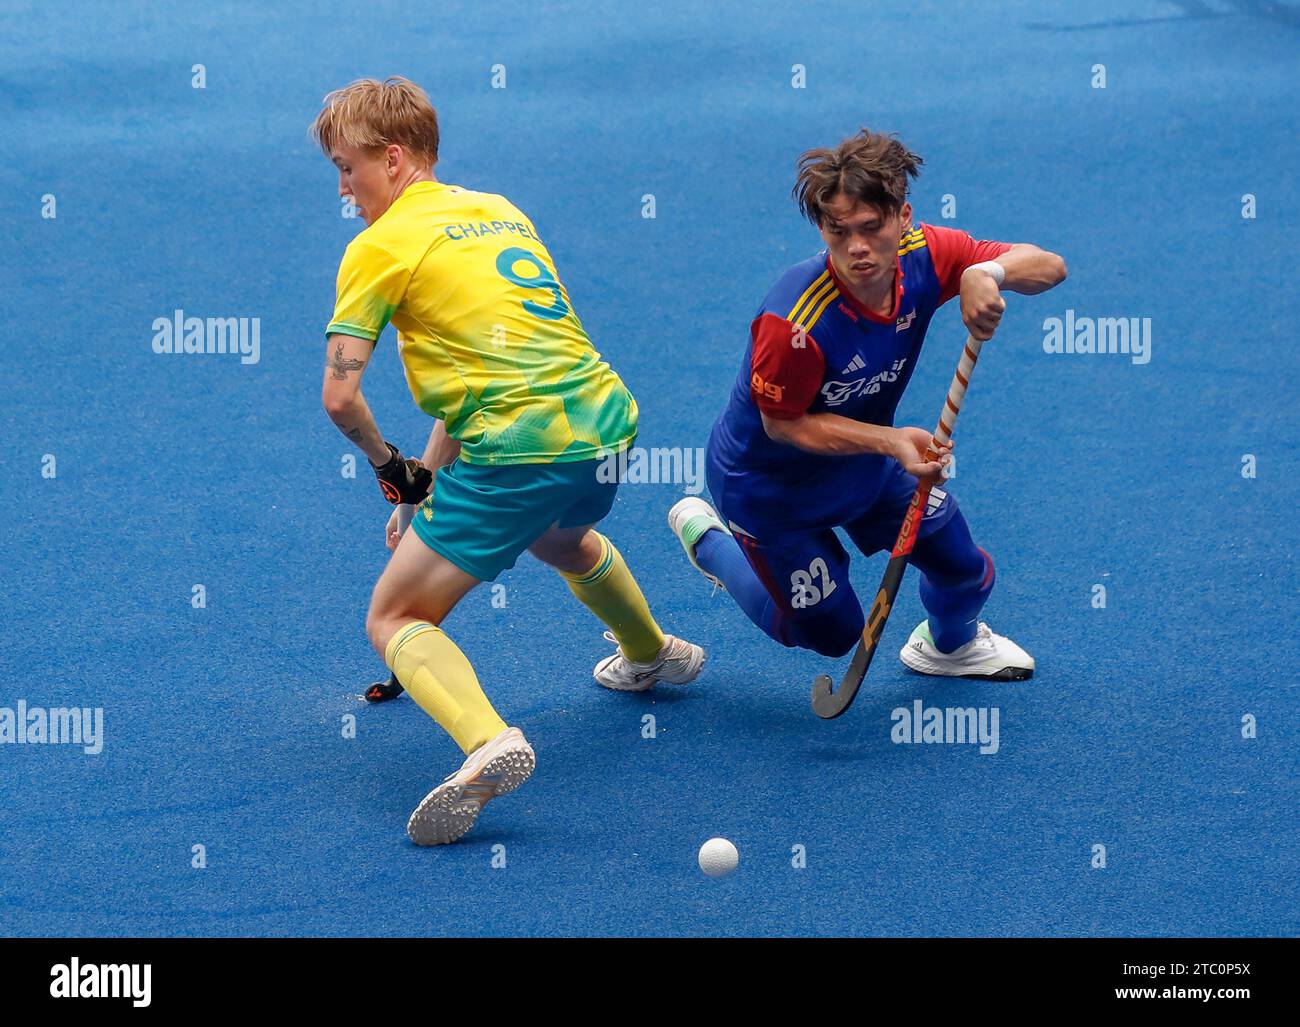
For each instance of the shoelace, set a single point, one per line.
(983, 638)
(637, 675)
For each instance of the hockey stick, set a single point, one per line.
(381, 691)
(405, 513)
(829, 704)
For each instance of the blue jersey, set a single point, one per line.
(813, 348)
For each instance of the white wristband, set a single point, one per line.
(992, 268)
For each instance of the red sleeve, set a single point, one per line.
(787, 367)
(953, 251)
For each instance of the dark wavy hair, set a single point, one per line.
(870, 167)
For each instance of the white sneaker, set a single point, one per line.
(690, 518)
(985, 656)
(494, 768)
(678, 662)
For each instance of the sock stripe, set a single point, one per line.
(402, 637)
(610, 592)
(603, 566)
(763, 571)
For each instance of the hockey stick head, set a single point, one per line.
(827, 703)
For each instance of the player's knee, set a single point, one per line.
(835, 632)
(570, 551)
(389, 613)
(839, 643)
(383, 620)
(379, 628)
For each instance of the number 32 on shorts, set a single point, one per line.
(810, 587)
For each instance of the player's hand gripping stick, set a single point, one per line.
(402, 479)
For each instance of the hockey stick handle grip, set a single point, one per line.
(956, 393)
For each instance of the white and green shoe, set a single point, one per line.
(689, 519)
(678, 663)
(986, 655)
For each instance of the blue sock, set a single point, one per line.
(720, 555)
(953, 610)
(956, 579)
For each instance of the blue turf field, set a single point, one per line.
(223, 724)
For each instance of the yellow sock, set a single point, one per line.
(610, 592)
(433, 669)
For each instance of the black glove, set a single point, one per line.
(403, 480)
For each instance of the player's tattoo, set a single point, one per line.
(354, 435)
(341, 366)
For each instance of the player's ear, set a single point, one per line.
(905, 215)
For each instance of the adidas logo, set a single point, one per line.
(856, 364)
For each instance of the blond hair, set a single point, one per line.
(372, 115)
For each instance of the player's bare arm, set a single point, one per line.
(1030, 270)
(832, 435)
(346, 357)
(441, 448)
(1026, 268)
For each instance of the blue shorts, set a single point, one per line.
(867, 496)
(482, 516)
(788, 535)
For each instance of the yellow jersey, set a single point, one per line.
(488, 339)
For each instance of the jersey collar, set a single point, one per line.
(851, 300)
(418, 188)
